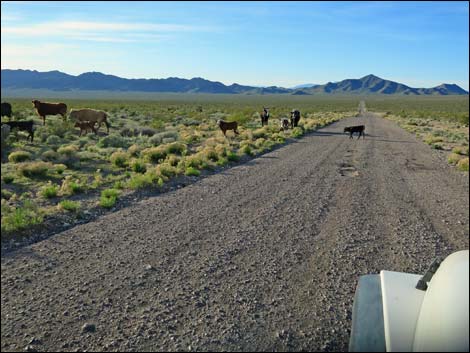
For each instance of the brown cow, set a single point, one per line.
(85, 126)
(43, 109)
(91, 115)
(225, 125)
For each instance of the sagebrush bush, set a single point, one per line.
(454, 158)
(49, 190)
(108, 198)
(19, 156)
(134, 150)
(21, 216)
(70, 186)
(53, 140)
(50, 156)
(8, 179)
(138, 166)
(191, 171)
(68, 150)
(460, 150)
(154, 154)
(119, 159)
(176, 148)
(113, 140)
(69, 205)
(463, 164)
(34, 169)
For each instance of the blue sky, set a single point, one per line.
(421, 44)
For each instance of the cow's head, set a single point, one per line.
(36, 103)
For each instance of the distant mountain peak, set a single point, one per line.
(92, 81)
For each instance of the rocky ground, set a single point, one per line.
(264, 256)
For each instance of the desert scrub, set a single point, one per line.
(49, 190)
(134, 150)
(176, 148)
(69, 205)
(21, 216)
(50, 156)
(297, 132)
(53, 140)
(60, 168)
(113, 141)
(141, 181)
(68, 150)
(232, 156)
(191, 171)
(461, 150)
(19, 156)
(7, 194)
(8, 179)
(463, 165)
(70, 186)
(108, 198)
(34, 169)
(165, 170)
(119, 159)
(432, 139)
(154, 154)
(138, 166)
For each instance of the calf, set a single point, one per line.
(284, 124)
(225, 125)
(90, 115)
(264, 116)
(85, 126)
(6, 109)
(27, 126)
(43, 109)
(352, 129)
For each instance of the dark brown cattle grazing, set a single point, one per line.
(43, 109)
(352, 129)
(264, 116)
(294, 118)
(6, 109)
(225, 125)
(27, 126)
(85, 126)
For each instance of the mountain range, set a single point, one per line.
(97, 81)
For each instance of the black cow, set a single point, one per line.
(27, 126)
(294, 118)
(6, 109)
(352, 129)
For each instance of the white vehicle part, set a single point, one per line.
(401, 306)
(443, 323)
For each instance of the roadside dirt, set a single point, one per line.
(260, 257)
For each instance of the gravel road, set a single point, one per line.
(264, 256)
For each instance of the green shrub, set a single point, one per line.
(113, 141)
(6, 194)
(233, 157)
(23, 216)
(134, 150)
(460, 150)
(297, 132)
(119, 159)
(246, 149)
(463, 165)
(50, 156)
(108, 198)
(70, 186)
(140, 181)
(19, 156)
(190, 171)
(8, 179)
(154, 154)
(454, 158)
(68, 150)
(49, 191)
(34, 169)
(69, 205)
(53, 140)
(176, 148)
(138, 166)
(60, 168)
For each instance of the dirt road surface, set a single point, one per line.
(264, 256)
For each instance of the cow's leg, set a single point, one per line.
(43, 120)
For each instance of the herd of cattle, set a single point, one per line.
(85, 119)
